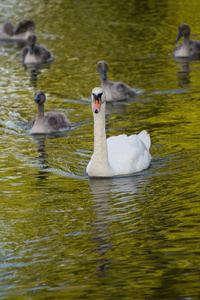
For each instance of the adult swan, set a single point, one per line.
(118, 155)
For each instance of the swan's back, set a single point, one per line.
(145, 138)
(129, 154)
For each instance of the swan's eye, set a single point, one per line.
(99, 95)
(97, 98)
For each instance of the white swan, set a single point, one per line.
(118, 155)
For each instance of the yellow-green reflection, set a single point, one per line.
(63, 235)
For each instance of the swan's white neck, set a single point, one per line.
(99, 163)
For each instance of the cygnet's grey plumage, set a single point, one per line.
(47, 122)
(20, 32)
(187, 47)
(114, 91)
(35, 53)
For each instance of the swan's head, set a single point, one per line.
(102, 69)
(98, 97)
(183, 30)
(39, 97)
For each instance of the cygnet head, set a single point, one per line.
(98, 97)
(183, 30)
(8, 28)
(39, 97)
(102, 69)
(31, 41)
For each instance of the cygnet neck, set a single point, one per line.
(40, 112)
(104, 80)
(186, 39)
(185, 45)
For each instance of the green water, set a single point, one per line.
(63, 235)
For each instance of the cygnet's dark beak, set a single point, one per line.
(103, 75)
(178, 37)
(31, 48)
(37, 99)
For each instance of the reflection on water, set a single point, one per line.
(42, 157)
(101, 191)
(184, 72)
(64, 235)
(35, 70)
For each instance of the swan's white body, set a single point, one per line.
(118, 155)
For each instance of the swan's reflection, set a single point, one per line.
(102, 190)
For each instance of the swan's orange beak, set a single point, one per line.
(96, 104)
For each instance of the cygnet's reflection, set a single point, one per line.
(119, 106)
(184, 72)
(35, 69)
(42, 158)
(102, 190)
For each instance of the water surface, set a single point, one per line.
(64, 235)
